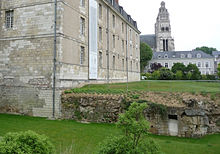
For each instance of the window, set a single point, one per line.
(182, 56)
(9, 16)
(100, 34)
(100, 11)
(198, 55)
(137, 66)
(166, 65)
(113, 41)
(165, 56)
(189, 55)
(130, 35)
(122, 27)
(82, 55)
(82, 26)
(113, 21)
(199, 64)
(159, 56)
(162, 29)
(167, 28)
(131, 65)
(123, 64)
(113, 62)
(123, 45)
(100, 59)
(82, 3)
(207, 64)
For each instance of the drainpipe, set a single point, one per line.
(54, 56)
(107, 45)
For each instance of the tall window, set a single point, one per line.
(100, 34)
(113, 41)
(9, 17)
(131, 65)
(113, 21)
(100, 59)
(207, 64)
(82, 55)
(122, 45)
(123, 64)
(100, 11)
(166, 65)
(113, 62)
(82, 3)
(82, 26)
(199, 64)
(122, 27)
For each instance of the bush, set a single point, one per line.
(165, 74)
(179, 75)
(27, 142)
(123, 144)
(155, 75)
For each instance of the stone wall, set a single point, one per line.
(195, 119)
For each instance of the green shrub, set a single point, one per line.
(179, 75)
(155, 75)
(123, 145)
(165, 74)
(27, 142)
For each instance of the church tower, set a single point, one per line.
(164, 40)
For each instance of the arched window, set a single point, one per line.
(182, 56)
(189, 55)
(159, 56)
(198, 55)
(165, 56)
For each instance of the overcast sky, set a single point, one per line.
(194, 23)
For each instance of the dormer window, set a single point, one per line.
(189, 55)
(165, 56)
(198, 55)
(159, 56)
(167, 28)
(182, 56)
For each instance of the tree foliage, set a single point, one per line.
(27, 142)
(218, 70)
(135, 128)
(146, 54)
(205, 49)
(178, 67)
(155, 67)
(165, 74)
(193, 69)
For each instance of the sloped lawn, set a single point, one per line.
(73, 137)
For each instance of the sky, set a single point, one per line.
(194, 23)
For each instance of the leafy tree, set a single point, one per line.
(156, 75)
(189, 76)
(165, 74)
(135, 129)
(179, 75)
(178, 67)
(155, 67)
(193, 69)
(205, 49)
(26, 142)
(218, 69)
(146, 54)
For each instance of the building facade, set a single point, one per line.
(96, 41)
(162, 40)
(204, 62)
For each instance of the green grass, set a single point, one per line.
(84, 138)
(162, 86)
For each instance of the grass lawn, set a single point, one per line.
(154, 85)
(84, 138)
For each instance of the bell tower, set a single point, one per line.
(164, 40)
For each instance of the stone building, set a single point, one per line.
(96, 41)
(204, 62)
(162, 39)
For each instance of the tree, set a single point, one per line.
(179, 75)
(195, 73)
(146, 54)
(178, 67)
(218, 70)
(205, 49)
(155, 67)
(165, 74)
(135, 128)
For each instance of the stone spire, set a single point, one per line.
(164, 40)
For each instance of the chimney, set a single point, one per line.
(116, 1)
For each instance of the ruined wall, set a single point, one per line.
(195, 119)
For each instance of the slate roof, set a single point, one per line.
(149, 39)
(216, 53)
(180, 54)
(120, 9)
